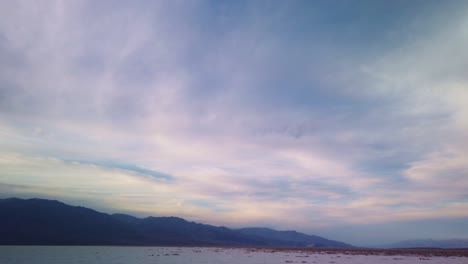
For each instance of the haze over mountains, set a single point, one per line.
(49, 222)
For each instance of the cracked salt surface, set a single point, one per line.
(185, 255)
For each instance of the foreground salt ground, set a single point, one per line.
(179, 255)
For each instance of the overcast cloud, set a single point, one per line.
(308, 115)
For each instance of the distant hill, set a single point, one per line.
(48, 222)
(429, 243)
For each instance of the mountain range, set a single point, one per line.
(430, 243)
(50, 222)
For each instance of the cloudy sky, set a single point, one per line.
(347, 119)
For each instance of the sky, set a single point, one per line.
(346, 119)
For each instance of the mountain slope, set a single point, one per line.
(47, 222)
(291, 238)
(174, 231)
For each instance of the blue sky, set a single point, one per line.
(340, 118)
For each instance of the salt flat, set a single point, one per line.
(205, 255)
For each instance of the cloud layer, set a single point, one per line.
(301, 115)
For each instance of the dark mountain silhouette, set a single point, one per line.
(45, 222)
(48, 222)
